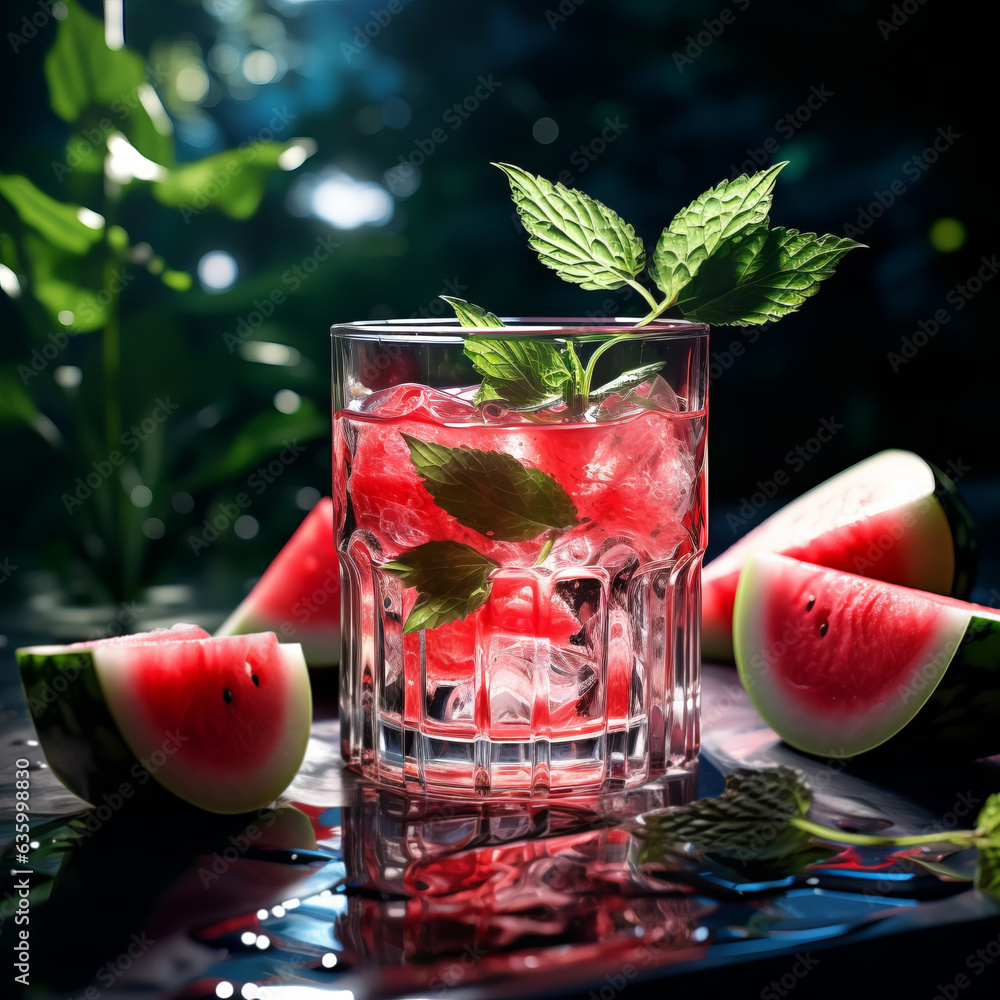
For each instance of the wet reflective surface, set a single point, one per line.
(360, 892)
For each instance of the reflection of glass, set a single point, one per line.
(442, 880)
(579, 672)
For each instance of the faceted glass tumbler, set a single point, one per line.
(520, 522)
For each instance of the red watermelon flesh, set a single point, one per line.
(298, 596)
(221, 723)
(838, 663)
(880, 518)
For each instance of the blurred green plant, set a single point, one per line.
(66, 264)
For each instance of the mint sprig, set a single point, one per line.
(452, 580)
(718, 261)
(491, 492)
(761, 275)
(718, 214)
(521, 371)
(582, 240)
(762, 816)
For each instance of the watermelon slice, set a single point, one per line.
(838, 664)
(220, 723)
(298, 597)
(893, 517)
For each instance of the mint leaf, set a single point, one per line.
(760, 275)
(452, 580)
(750, 821)
(491, 492)
(630, 379)
(471, 315)
(987, 877)
(583, 241)
(719, 213)
(520, 370)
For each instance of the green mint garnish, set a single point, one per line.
(521, 371)
(583, 241)
(491, 492)
(761, 816)
(452, 581)
(718, 261)
(719, 214)
(761, 275)
(629, 379)
(470, 314)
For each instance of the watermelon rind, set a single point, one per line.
(893, 517)
(94, 724)
(947, 697)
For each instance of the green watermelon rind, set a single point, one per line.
(955, 670)
(84, 729)
(938, 524)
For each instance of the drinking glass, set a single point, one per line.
(521, 570)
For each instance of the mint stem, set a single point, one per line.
(963, 838)
(545, 550)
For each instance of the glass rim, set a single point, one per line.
(450, 331)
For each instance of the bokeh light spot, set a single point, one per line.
(947, 235)
(246, 527)
(545, 130)
(217, 271)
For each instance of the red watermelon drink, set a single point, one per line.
(520, 573)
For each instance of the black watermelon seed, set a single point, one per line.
(824, 628)
(227, 695)
(256, 680)
(811, 603)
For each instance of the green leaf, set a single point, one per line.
(57, 222)
(520, 370)
(718, 214)
(471, 315)
(231, 181)
(583, 241)
(179, 281)
(760, 275)
(452, 580)
(749, 821)
(16, 406)
(108, 86)
(630, 379)
(491, 492)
